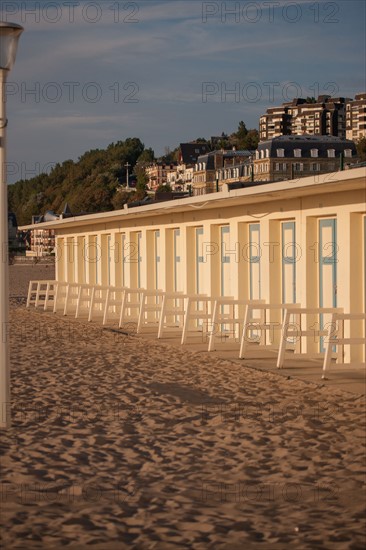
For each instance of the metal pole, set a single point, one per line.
(128, 176)
(4, 275)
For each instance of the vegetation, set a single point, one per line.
(246, 139)
(96, 182)
(92, 184)
(361, 148)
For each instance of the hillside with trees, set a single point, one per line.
(96, 182)
(92, 184)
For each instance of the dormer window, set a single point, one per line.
(267, 153)
(257, 155)
(314, 153)
(280, 152)
(331, 153)
(262, 154)
(297, 153)
(348, 153)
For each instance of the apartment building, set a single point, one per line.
(298, 156)
(327, 116)
(356, 117)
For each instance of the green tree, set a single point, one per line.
(361, 148)
(246, 139)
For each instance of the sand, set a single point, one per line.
(118, 442)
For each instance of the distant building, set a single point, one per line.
(327, 116)
(210, 169)
(181, 176)
(43, 240)
(356, 117)
(157, 174)
(289, 157)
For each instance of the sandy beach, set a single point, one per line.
(119, 442)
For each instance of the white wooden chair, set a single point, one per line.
(336, 338)
(257, 319)
(60, 297)
(97, 302)
(198, 307)
(113, 304)
(130, 308)
(84, 301)
(172, 312)
(289, 330)
(150, 308)
(50, 295)
(227, 313)
(71, 299)
(41, 293)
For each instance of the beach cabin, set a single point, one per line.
(301, 241)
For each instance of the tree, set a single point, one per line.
(146, 158)
(246, 139)
(361, 148)
(88, 185)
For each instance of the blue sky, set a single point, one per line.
(162, 70)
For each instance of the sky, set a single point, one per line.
(89, 73)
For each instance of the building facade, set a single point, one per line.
(180, 178)
(296, 156)
(212, 169)
(356, 117)
(326, 116)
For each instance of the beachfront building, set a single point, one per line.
(300, 241)
(298, 156)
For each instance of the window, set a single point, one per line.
(297, 152)
(314, 153)
(257, 154)
(331, 153)
(262, 154)
(299, 166)
(348, 153)
(267, 153)
(280, 152)
(315, 167)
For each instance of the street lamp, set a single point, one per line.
(9, 36)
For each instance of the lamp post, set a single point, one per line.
(9, 36)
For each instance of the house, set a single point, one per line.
(212, 168)
(295, 156)
(181, 176)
